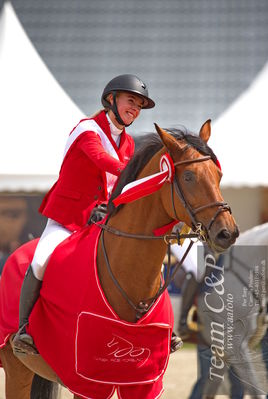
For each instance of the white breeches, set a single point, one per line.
(52, 236)
(194, 262)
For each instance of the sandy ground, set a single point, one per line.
(178, 380)
(179, 377)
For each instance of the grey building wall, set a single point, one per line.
(196, 56)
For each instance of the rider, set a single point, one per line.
(96, 152)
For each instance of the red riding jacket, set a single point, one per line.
(82, 182)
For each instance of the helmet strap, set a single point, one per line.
(116, 113)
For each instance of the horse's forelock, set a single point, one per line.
(194, 140)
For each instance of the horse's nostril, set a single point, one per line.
(237, 232)
(224, 235)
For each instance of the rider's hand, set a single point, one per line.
(98, 213)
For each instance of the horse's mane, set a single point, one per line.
(149, 146)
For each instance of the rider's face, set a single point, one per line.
(129, 106)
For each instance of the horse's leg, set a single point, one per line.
(18, 378)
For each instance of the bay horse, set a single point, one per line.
(131, 289)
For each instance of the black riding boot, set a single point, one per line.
(23, 342)
(188, 292)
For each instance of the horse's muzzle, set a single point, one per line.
(223, 239)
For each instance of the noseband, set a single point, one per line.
(197, 226)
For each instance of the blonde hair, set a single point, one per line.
(98, 112)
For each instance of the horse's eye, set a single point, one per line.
(188, 176)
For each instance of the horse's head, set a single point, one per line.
(195, 195)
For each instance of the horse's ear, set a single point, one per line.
(205, 131)
(168, 140)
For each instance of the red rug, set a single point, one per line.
(79, 335)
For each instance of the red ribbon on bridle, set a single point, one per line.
(218, 163)
(147, 185)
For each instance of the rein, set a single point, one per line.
(145, 305)
(197, 232)
(167, 238)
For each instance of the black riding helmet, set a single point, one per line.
(128, 83)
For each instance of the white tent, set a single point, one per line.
(36, 114)
(240, 135)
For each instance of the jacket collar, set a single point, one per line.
(102, 121)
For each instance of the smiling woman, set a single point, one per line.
(129, 84)
(129, 107)
(96, 152)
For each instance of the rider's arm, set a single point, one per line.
(91, 145)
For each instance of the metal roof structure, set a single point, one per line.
(199, 59)
(196, 56)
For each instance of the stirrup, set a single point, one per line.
(23, 343)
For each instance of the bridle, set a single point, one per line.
(222, 206)
(198, 231)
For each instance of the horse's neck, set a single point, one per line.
(136, 263)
